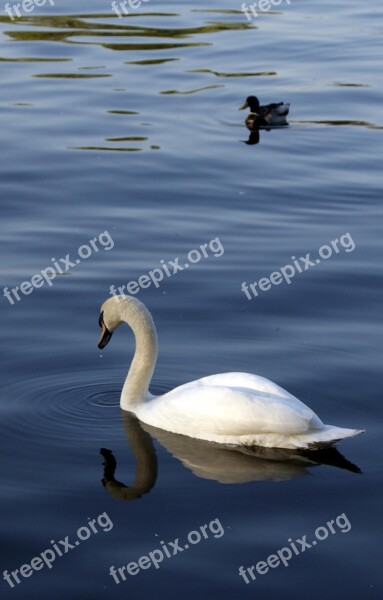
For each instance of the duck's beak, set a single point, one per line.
(244, 105)
(105, 333)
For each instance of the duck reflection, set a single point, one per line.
(253, 137)
(224, 464)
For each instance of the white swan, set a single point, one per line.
(228, 408)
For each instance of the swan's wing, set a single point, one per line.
(221, 410)
(242, 380)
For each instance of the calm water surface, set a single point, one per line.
(131, 127)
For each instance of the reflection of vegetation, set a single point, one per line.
(160, 43)
(72, 75)
(362, 85)
(150, 61)
(29, 59)
(218, 74)
(208, 87)
(123, 112)
(339, 123)
(106, 148)
(234, 12)
(127, 139)
(220, 11)
(70, 26)
(151, 46)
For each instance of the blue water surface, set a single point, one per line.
(126, 131)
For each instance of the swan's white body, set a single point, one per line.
(228, 408)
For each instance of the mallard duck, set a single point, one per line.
(263, 116)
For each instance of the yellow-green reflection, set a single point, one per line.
(359, 85)
(31, 59)
(123, 112)
(143, 47)
(127, 139)
(208, 87)
(70, 26)
(150, 61)
(219, 74)
(72, 75)
(106, 30)
(105, 148)
(339, 123)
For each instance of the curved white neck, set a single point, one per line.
(136, 386)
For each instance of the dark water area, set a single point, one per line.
(126, 131)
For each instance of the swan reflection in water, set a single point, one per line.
(224, 464)
(146, 462)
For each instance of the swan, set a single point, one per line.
(238, 409)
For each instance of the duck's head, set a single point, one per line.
(251, 102)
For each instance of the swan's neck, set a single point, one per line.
(136, 386)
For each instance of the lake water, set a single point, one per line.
(126, 131)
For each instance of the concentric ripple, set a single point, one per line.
(60, 422)
(55, 425)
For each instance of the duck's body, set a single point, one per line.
(265, 116)
(228, 408)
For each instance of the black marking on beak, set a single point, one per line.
(105, 333)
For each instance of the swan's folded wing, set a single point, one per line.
(219, 410)
(244, 380)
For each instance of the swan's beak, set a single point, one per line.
(244, 105)
(105, 333)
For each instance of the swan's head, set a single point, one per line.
(110, 318)
(124, 309)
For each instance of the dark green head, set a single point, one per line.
(251, 102)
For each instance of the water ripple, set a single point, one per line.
(51, 409)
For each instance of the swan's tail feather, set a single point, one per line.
(327, 436)
(314, 440)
